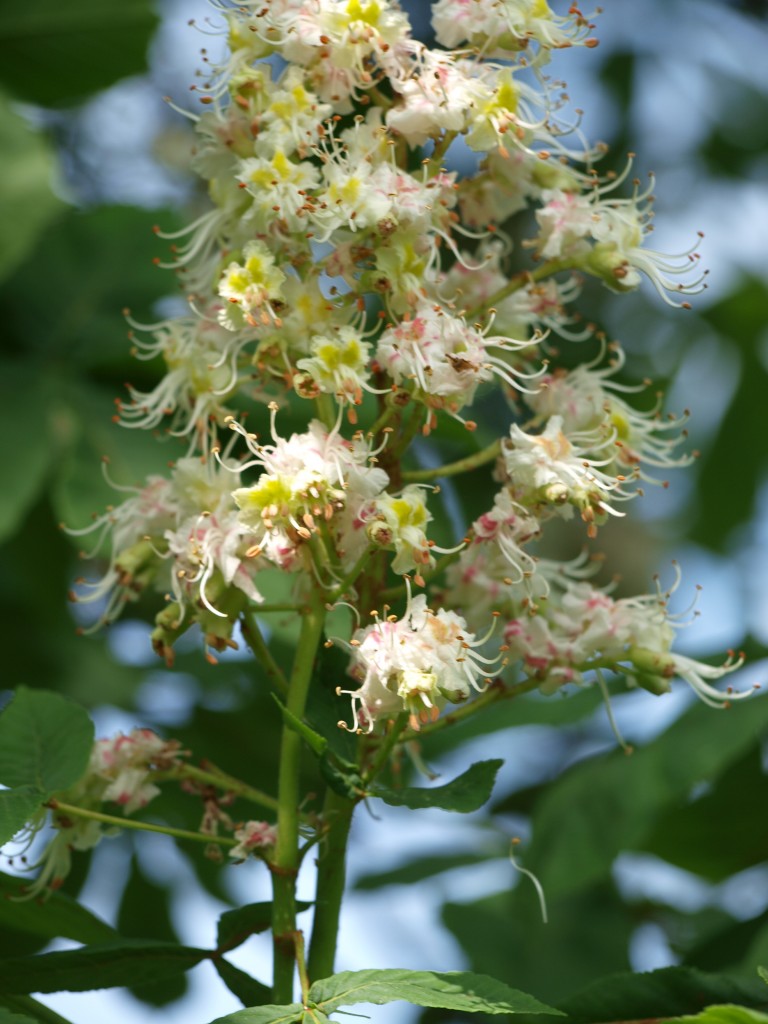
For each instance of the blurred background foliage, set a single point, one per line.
(649, 860)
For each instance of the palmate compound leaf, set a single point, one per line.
(451, 990)
(466, 793)
(45, 741)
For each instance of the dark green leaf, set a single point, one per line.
(103, 966)
(466, 793)
(27, 202)
(27, 454)
(669, 992)
(56, 54)
(425, 867)
(145, 911)
(235, 926)
(248, 990)
(607, 804)
(45, 741)
(727, 1014)
(57, 916)
(452, 990)
(587, 935)
(31, 1009)
(690, 834)
(17, 807)
(10, 1017)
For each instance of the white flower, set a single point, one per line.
(252, 286)
(308, 478)
(587, 400)
(559, 472)
(604, 236)
(413, 664)
(252, 836)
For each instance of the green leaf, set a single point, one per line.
(9, 1017)
(451, 990)
(31, 1010)
(58, 916)
(763, 972)
(264, 1015)
(235, 926)
(587, 935)
(466, 793)
(422, 868)
(17, 807)
(45, 741)
(27, 203)
(56, 54)
(610, 803)
(727, 1014)
(669, 992)
(27, 455)
(689, 834)
(145, 911)
(103, 966)
(248, 990)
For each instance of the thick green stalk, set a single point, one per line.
(331, 878)
(285, 865)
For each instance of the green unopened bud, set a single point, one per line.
(605, 262)
(170, 624)
(305, 385)
(379, 533)
(139, 563)
(555, 494)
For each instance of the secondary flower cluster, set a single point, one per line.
(347, 275)
(119, 776)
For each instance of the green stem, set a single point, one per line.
(331, 878)
(519, 281)
(269, 609)
(326, 410)
(399, 591)
(453, 468)
(218, 779)
(387, 745)
(141, 826)
(493, 694)
(258, 645)
(285, 864)
(441, 148)
(298, 941)
(390, 411)
(403, 441)
(351, 576)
